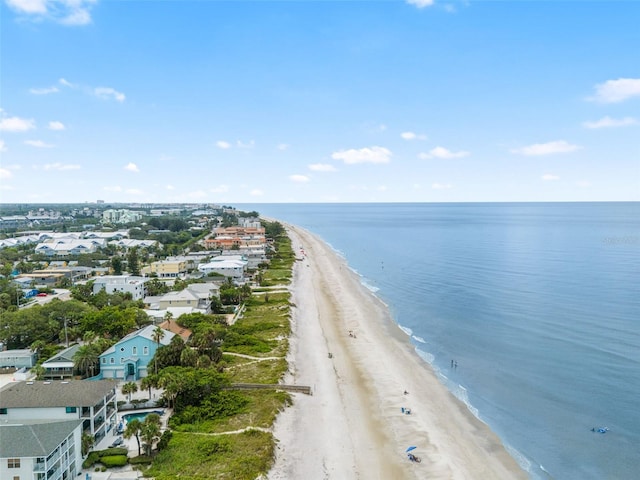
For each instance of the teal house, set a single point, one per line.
(128, 359)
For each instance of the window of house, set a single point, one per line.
(112, 360)
(145, 350)
(104, 360)
(71, 409)
(13, 463)
(121, 359)
(122, 349)
(134, 350)
(3, 411)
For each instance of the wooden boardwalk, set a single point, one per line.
(277, 386)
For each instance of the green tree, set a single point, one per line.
(85, 360)
(157, 335)
(116, 265)
(133, 430)
(133, 262)
(129, 388)
(149, 382)
(189, 357)
(87, 442)
(150, 431)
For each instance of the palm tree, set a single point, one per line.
(150, 431)
(86, 443)
(129, 388)
(133, 430)
(86, 359)
(157, 336)
(148, 382)
(188, 357)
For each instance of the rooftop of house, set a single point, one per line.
(146, 332)
(65, 355)
(75, 393)
(33, 439)
(173, 326)
(24, 352)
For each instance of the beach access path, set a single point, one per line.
(352, 427)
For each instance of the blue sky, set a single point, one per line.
(296, 101)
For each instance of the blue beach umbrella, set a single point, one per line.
(410, 448)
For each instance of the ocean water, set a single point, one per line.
(539, 305)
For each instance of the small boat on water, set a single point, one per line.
(600, 429)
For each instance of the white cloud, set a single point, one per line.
(64, 82)
(134, 191)
(421, 3)
(16, 124)
(256, 192)
(219, 189)
(413, 136)
(382, 188)
(322, 167)
(547, 177)
(607, 122)
(615, 91)
(364, 155)
(559, 146)
(441, 152)
(61, 167)
(299, 178)
(283, 146)
(44, 91)
(3, 146)
(56, 126)
(170, 187)
(132, 167)
(441, 186)
(222, 144)
(250, 144)
(108, 93)
(5, 174)
(66, 12)
(37, 144)
(33, 7)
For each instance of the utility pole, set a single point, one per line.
(66, 337)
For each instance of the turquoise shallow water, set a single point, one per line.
(539, 305)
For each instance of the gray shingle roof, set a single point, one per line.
(33, 439)
(76, 393)
(65, 355)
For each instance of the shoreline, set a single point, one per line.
(353, 425)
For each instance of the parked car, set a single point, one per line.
(41, 294)
(117, 442)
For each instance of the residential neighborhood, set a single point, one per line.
(148, 290)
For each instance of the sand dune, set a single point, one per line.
(352, 426)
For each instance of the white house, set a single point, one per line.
(38, 450)
(92, 402)
(122, 284)
(231, 266)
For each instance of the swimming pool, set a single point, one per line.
(139, 415)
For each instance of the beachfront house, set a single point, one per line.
(129, 358)
(230, 266)
(61, 365)
(92, 402)
(38, 450)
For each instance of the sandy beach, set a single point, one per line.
(352, 426)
